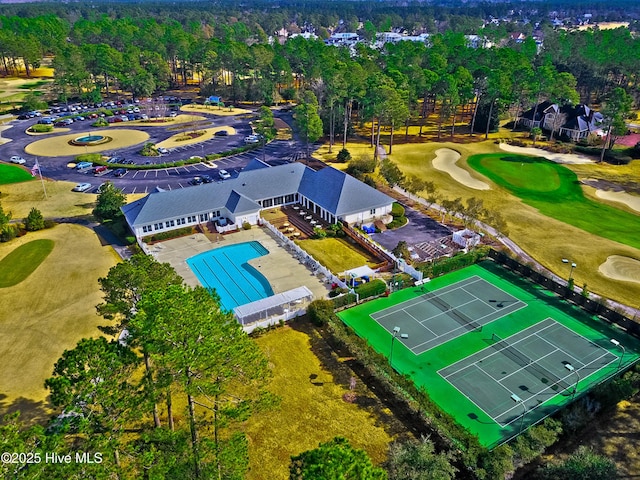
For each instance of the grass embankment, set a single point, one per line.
(336, 254)
(20, 263)
(48, 313)
(13, 174)
(555, 191)
(312, 408)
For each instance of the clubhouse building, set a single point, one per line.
(328, 193)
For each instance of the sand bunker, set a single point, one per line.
(622, 268)
(631, 201)
(59, 145)
(445, 161)
(554, 157)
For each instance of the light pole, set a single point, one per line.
(569, 367)
(404, 336)
(573, 265)
(517, 399)
(619, 345)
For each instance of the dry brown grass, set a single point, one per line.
(312, 408)
(41, 317)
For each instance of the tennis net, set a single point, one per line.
(459, 317)
(527, 363)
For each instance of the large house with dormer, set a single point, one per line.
(329, 193)
(575, 123)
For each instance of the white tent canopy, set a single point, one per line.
(358, 272)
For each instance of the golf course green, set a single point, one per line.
(555, 191)
(22, 262)
(13, 174)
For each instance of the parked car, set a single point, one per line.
(251, 139)
(196, 181)
(223, 174)
(100, 169)
(162, 150)
(81, 187)
(17, 159)
(84, 165)
(207, 179)
(222, 133)
(119, 172)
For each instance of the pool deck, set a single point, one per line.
(280, 268)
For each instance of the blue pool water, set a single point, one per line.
(226, 270)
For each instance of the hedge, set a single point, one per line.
(180, 232)
(444, 265)
(371, 289)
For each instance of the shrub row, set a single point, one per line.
(97, 159)
(40, 128)
(617, 157)
(443, 265)
(371, 289)
(180, 232)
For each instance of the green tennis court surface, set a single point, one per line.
(495, 351)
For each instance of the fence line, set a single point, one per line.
(304, 257)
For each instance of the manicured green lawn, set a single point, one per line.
(555, 191)
(13, 174)
(21, 262)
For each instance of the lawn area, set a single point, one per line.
(555, 191)
(48, 312)
(336, 253)
(312, 408)
(544, 238)
(60, 201)
(21, 262)
(13, 174)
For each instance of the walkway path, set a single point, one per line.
(524, 256)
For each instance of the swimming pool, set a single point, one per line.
(226, 270)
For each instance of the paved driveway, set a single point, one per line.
(419, 229)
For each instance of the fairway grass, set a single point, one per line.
(546, 239)
(13, 174)
(48, 313)
(312, 409)
(21, 262)
(555, 191)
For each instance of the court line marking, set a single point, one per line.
(556, 349)
(421, 324)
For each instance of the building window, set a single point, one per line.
(157, 226)
(267, 203)
(372, 211)
(146, 228)
(278, 200)
(290, 198)
(181, 221)
(204, 217)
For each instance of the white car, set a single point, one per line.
(162, 150)
(223, 174)
(82, 187)
(18, 160)
(251, 139)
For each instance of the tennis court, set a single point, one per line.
(521, 373)
(434, 318)
(492, 349)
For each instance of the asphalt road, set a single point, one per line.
(144, 181)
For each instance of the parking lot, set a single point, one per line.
(145, 181)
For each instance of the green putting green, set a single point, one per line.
(22, 262)
(475, 337)
(555, 191)
(13, 174)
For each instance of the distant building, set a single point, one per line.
(575, 123)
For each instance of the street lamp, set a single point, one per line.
(517, 399)
(619, 345)
(569, 367)
(573, 265)
(404, 336)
